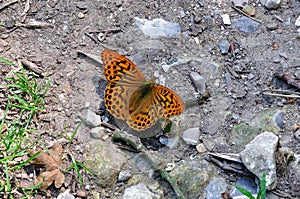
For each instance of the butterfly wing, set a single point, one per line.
(124, 78)
(120, 70)
(161, 102)
(169, 102)
(126, 83)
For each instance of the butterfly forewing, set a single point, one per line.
(119, 69)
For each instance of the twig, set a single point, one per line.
(107, 30)
(242, 12)
(23, 15)
(32, 66)
(34, 24)
(282, 91)
(7, 3)
(281, 95)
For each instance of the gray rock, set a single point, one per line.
(124, 176)
(65, 195)
(198, 81)
(92, 120)
(297, 22)
(297, 135)
(105, 160)
(279, 119)
(283, 54)
(297, 74)
(139, 191)
(246, 183)
(215, 188)
(259, 157)
(169, 142)
(191, 136)
(272, 26)
(182, 14)
(97, 132)
(240, 3)
(294, 173)
(272, 4)
(245, 24)
(166, 67)
(192, 176)
(201, 148)
(224, 46)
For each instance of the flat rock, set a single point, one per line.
(139, 191)
(105, 160)
(259, 157)
(92, 119)
(191, 136)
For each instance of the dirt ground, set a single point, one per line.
(267, 58)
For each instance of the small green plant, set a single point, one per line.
(77, 165)
(23, 96)
(262, 189)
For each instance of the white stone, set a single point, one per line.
(166, 67)
(297, 22)
(226, 19)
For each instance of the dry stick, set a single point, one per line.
(281, 95)
(242, 12)
(7, 3)
(26, 9)
(282, 91)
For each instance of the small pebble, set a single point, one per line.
(201, 148)
(81, 193)
(10, 23)
(240, 3)
(87, 187)
(226, 19)
(297, 22)
(272, 4)
(283, 54)
(224, 46)
(250, 10)
(156, 74)
(198, 81)
(272, 26)
(297, 74)
(170, 166)
(124, 176)
(80, 15)
(166, 67)
(182, 14)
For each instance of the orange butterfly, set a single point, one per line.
(130, 97)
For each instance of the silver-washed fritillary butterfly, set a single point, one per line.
(130, 97)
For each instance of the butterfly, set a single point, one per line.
(129, 96)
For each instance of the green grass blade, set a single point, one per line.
(245, 192)
(262, 187)
(5, 61)
(75, 131)
(8, 185)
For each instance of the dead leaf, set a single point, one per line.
(48, 177)
(52, 165)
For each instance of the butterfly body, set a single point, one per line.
(130, 97)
